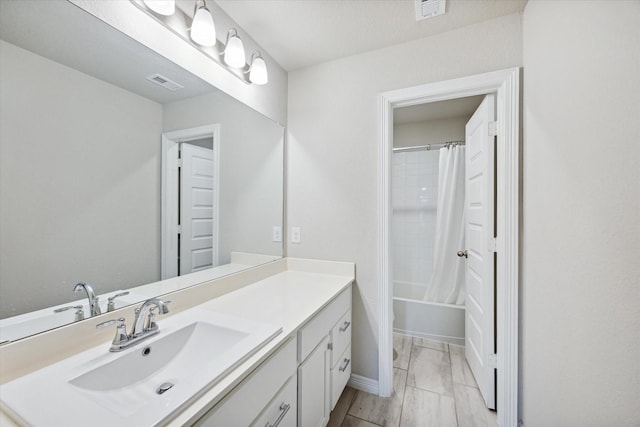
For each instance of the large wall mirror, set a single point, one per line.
(83, 111)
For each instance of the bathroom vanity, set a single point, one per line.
(292, 376)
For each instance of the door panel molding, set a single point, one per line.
(169, 192)
(479, 231)
(506, 85)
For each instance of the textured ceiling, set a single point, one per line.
(300, 33)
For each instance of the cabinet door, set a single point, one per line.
(314, 387)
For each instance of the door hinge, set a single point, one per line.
(330, 346)
(179, 229)
(179, 163)
(493, 361)
(493, 128)
(493, 245)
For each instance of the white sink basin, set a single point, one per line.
(167, 359)
(143, 385)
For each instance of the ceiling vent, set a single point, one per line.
(164, 82)
(429, 8)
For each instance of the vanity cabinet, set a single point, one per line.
(282, 410)
(300, 384)
(257, 394)
(340, 357)
(324, 354)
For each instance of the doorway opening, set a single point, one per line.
(190, 195)
(503, 86)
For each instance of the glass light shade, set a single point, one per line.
(163, 7)
(234, 50)
(203, 30)
(258, 73)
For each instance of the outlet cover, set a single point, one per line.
(295, 234)
(277, 233)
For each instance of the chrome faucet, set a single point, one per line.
(94, 305)
(144, 322)
(144, 325)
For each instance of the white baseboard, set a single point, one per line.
(363, 383)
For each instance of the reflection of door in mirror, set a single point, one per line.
(198, 236)
(190, 206)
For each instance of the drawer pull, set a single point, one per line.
(284, 407)
(344, 327)
(346, 363)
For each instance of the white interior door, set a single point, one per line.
(198, 245)
(479, 238)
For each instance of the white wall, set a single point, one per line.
(270, 99)
(580, 339)
(333, 149)
(429, 132)
(251, 170)
(79, 183)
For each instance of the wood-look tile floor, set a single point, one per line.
(432, 386)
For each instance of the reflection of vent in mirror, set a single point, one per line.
(164, 82)
(429, 8)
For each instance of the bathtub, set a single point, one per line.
(417, 318)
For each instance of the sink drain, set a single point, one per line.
(164, 387)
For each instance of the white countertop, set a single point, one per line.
(287, 299)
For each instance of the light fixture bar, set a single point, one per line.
(178, 24)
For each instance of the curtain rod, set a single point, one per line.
(428, 146)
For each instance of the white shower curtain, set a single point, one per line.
(447, 282)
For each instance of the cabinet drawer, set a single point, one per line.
(340, 376)
(282, 411)
(340, 337)
(317, 328)
(252, 395)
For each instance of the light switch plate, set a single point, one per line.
(295, 234)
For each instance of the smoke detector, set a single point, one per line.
(429, 8)
(164, 82)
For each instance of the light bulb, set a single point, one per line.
(234, 50)
(258, 73)
(203, 30)
(163, 7)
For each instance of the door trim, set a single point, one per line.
(506, 85)
(169, 192)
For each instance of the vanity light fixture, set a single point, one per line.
(203, 30)
(163, 7)
(234, 55)
(258, 71)
(202, 36)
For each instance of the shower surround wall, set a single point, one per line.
(414, 192)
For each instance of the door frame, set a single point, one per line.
(506, 85)
(169, 193)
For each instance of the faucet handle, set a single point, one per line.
(112, 305)
(78, 308)
(104, 324)
(156, 309)
(121, 332)
(151, 321)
